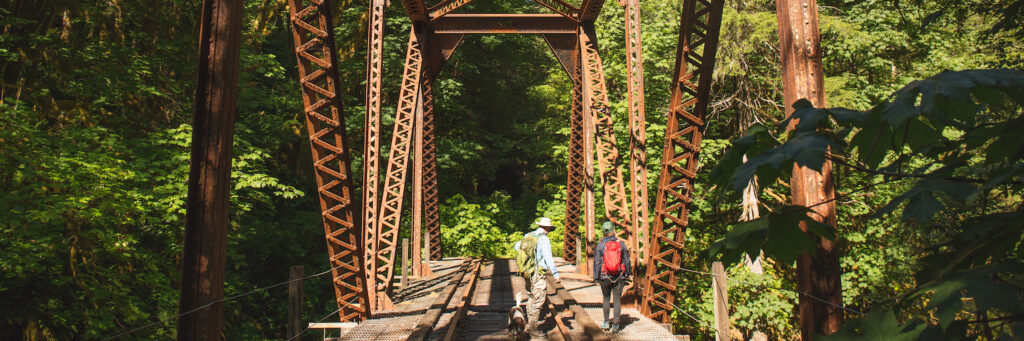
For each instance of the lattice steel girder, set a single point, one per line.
(431, 202)
(596, 97)
(560, 7)
(566, 49)
(371, 141)
(590, 9)
(318, 77)
(398, 160)
(695, 61)
(416, 10)
(637, 127)
(504, 23)
(446, 7)
(437, 50)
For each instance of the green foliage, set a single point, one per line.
(95, 101)
(952, 135)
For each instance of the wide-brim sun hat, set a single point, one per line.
(545, 221)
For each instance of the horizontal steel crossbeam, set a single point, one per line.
(504, 23)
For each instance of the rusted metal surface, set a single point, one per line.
(398, 322)
(439, 48)
(318, 77)
(446, 7)
(560, 7)
(504, 23)
(590, 9)
(464, 302)
(426, 322)
(371, 142)
(637, 128)
(596, 97)
(394, 180)
(431, 202)
(695, 57)
(416, 10)
(566, 49)
(417, 184)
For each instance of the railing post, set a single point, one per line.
(720, 292)
(405, 262)
(295, 300)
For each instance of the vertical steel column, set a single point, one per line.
(417, 189)
(437, 50)
(695, 61)
(565, 47)
(574, 186)
(637, 127)
(371, 142)
(318, 76)
(615, 203)
(431, 202)
(394, 185)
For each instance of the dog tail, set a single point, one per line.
(519, 299)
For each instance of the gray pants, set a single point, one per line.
(613, 289)
(538, 297)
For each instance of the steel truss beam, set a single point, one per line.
(504, 23)
(695, 59)
(590, 9)
(565, 47)
(438, 49)
(637, 126)
(325, 122)
(416, 10)
(398, 160)
(446, 7)
(596, 97)
(371, 143)
(560, 7)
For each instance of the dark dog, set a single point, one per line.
(517, 321)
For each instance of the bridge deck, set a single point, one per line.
(492, 296)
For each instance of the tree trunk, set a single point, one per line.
(818, 272)
(206, 217)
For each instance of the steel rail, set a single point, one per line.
(426, 323)
(467, 300)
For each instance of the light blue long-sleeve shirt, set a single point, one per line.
(543, 257)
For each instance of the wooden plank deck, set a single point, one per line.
(492, 297)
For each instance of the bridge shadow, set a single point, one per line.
(420, 288)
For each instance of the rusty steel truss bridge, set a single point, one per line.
(362, 239)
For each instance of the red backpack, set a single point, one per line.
(612, 258)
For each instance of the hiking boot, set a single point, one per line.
(605, 325)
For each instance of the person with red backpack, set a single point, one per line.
(611, 271)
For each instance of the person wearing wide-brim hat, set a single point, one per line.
(538, 285)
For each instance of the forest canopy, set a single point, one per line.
(923, 126)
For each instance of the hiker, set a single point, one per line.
(611, 271)
(532, 266)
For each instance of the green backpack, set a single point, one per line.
(526, 256)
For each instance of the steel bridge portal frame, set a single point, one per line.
(362, 253)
